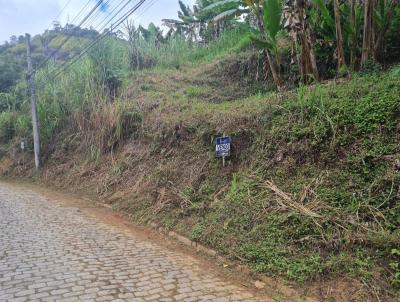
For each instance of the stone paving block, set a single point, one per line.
(24, 293)
(56, 253)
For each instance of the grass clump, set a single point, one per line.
(395, 265)
(177, 52)
(7, 126)
(310, 190)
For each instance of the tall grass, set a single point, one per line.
(80, 87)
(98, 78)
(7, 126)
(178, 51)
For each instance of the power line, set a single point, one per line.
(115, 8)
(81, 11)
(150, 5)
(105, 24)
(117, 24)
(80, 24)
(108, 18)
(62, 10)
(116, 14)
(98, 14)
(71, 35)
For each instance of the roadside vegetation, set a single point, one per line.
(308, 91)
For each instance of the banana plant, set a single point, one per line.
(297, 23)
(341, 26)
(268, 14)
(378, 17)
(352, 29)
(331, 27)
(383, 17)
(226, 9)
(187, 24)
(269, 26)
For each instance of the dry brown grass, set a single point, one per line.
(104, 125)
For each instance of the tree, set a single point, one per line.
(188, 24)
(21, 39)
(354, 23)
(57, 26)
(296, 22)
(267, 14)
(10, 72)
(341, 60)
(368, 34)
(13, 40)
(383, 17)
(269, 23)
(133, 40)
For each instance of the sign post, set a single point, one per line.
(23, 146)
(223, 148)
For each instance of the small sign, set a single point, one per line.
(23, 145)
(223, 146)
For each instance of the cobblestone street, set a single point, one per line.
(50, 252)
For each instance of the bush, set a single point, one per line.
(395, 265)
(7, 126)
(23, 126)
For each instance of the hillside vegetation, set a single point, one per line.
(311, 192)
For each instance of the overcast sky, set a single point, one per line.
(18, 17)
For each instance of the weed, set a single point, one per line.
(118, 168)
(195, 91)
(7, 126)
(395, 265)
(197, 232)
(23, 126)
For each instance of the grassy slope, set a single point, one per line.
(310, 192)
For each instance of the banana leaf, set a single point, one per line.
(272, 17)
(261, 43)
(221, 3)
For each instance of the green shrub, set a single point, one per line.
(272, 258)
(7, 126)
(23, 126)
(376, 111)
(396, 71)
(197, 232)
(395, 265)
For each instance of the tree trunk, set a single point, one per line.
(307, 60)
(368, 47)
(353, 47)
(274, 70)
(339, 36)
(313, 59)
(270, 60)
(380, 42)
